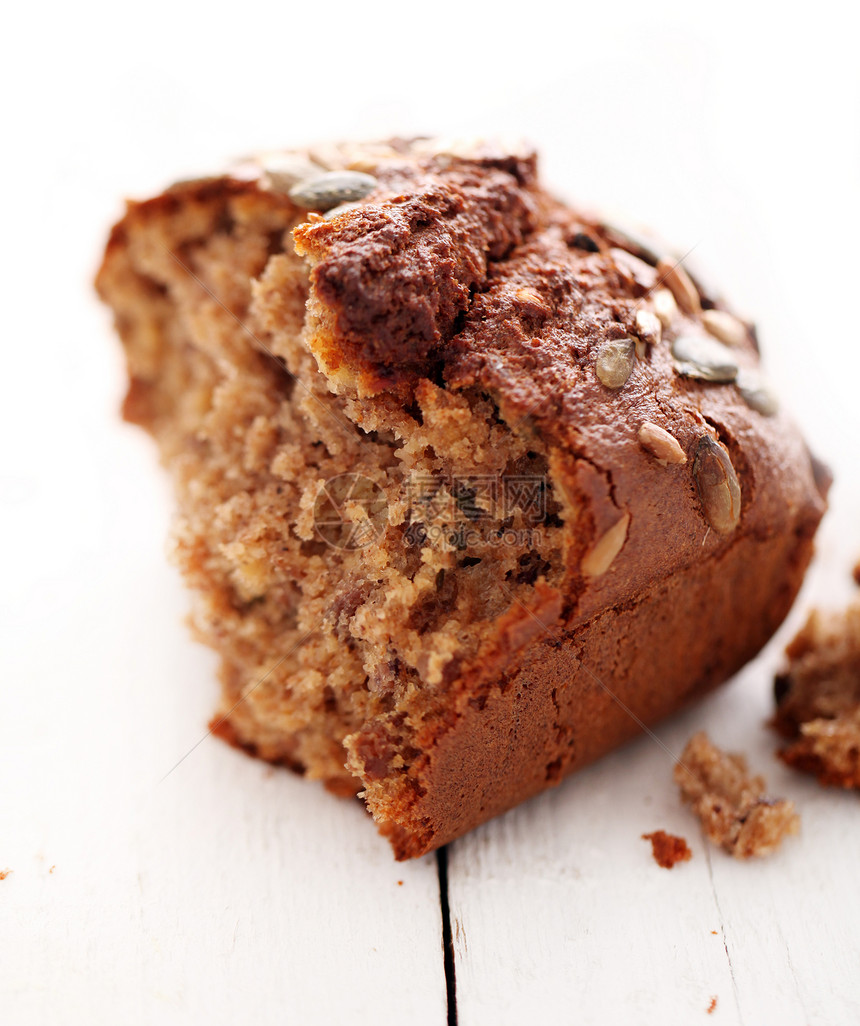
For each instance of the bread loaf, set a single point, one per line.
(472, 485)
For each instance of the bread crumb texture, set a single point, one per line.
(735, 812)
(400, 390)
(818, 698)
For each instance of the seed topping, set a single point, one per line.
(680, 284)
(615, 361)
(648, 327)
(704, 358)
(718, 486)
(331, 189)
(660, 443)
(757, 393)
(725, 326)
(664, 306)
(607, 547)
(281, 171)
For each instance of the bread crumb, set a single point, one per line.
(818, 698)
(732, 805)
(712, 1005)
(4, 873)
(668, 849)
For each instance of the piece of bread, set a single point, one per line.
(734, 809)
(818, 698)
(468, 488)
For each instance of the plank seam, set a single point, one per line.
(447, 937)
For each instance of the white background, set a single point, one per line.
(231, 892)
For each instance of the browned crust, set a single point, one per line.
(573, 695)
(430, 243)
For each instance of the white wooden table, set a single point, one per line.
(229, 891)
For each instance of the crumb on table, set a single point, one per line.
(4, 873)
(735, 812)
(667, 849)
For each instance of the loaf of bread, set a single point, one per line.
(472, 485)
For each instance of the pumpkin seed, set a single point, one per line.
(661, 444)
(703, 358)
(726, 327)
(718, 486)
(341, 208)
(580, 240)
(332, 188)
(615, 361)
(756, 393)
(680, 284)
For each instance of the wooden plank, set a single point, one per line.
(559, 905)
(790, 922)
(228, 892)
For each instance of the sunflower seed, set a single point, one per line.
(634, 240)
(725, 327)
(188, 183)
(680, 284)
(615, 361)
(474, 148)
(661, 444)
(632, 266)
(607, 547)
(665, 306)
(648, 327)
(718, 486)
(281, 171)
(331, 189)
(329, 156)
(368, 156)
(703, 358)
(531, 300)
(757, 394)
